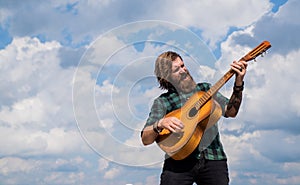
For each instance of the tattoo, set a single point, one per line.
(234, 103)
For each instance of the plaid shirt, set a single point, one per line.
(210, 145)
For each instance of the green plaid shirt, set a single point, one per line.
(210, 145)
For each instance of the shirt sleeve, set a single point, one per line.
(158, 111)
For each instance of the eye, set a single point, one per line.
(176, 69)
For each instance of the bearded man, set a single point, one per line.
(206, 165)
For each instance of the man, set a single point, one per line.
(208, 163)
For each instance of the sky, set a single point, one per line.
(77, 84)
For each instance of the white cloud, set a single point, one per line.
(14, 170)
(267, 84)
(207, 73)
(31, 142)
(36, 116)
(36, 87)
(30, 110)
(215, 21)
(262, 137)
(261, 153)
(201, 14)
(60, 141)
(112, 173)
(102, 164)
(12, 165)
(269, 92)
(62, 178)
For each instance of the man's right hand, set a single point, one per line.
(171, 123)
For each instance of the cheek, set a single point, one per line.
(174, 78)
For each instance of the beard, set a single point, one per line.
(186, 84)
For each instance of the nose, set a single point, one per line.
(182, 70)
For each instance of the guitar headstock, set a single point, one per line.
(258, 50)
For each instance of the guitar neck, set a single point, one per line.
(258, 50)
(215, 88)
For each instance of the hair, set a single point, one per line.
(163, 68)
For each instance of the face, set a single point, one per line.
(180, 77)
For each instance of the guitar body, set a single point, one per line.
(198, 114)
(180, 145)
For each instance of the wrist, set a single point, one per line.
(238, 87)
(239, 81)
(156, 128)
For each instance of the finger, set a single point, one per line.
(243, 64)
(237, 68)
(178, 123)
(174, 128)
(241, 68)
(170, 123)
(235, 64)
(171, 129)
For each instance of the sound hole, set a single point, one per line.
(193, 112)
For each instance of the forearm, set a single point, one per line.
(235, 101)
(149, 135)
(236, 98)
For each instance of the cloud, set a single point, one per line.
(213, 23)
(284, 141)
(36, 88)
(36, 115)
(285, 23)
(62, 25)
(267, 84)
(115, 86)
(112, 173)
(32, 142)
(262, 137)
(12, 165)
(267, 93)
(14, 170)
(102, 164)
(259, 153)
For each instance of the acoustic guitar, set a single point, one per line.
(199, 113)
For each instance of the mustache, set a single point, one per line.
(184, 75)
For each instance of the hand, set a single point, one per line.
(240, 67)
(171, 123)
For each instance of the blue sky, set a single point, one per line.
(77, 84)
